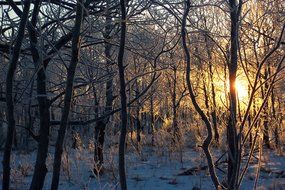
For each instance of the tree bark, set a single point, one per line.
(214, 109)
(137, 116)
(40, 166)
(152, 124)
(100, 125)
(208, 140)
(279, 121)
(174, 107)
(9, 96)
(265, 111)
(274, 113)
(124, 119)
(233, 144)
(68, 95)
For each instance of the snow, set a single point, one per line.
(150, 170)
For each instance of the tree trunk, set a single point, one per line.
(137, 116)
(40, 166)
(98, 149)
(213, 93)
(101, 125)
(265, 112)
(279, 122)
(29, 117)
(99, 135)
(174, 108)
(124, 116)
(233, 144)
(249, 122)
(68, 95)
(214, 112)
(9, 96)
(208, 140)
(152, 127)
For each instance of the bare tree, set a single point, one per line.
(76, 42)
(233, 144)
(124, 114)
(100, 125)
(208, 140)
(40, 166)
(9, 95)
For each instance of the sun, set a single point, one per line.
(241, 89)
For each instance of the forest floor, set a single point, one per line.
(154, 169)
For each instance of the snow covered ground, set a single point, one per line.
(154, 169)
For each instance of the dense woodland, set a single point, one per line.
(89, 89)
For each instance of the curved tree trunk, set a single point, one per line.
(209, 137)
(9, 96)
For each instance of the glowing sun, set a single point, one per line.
(241, 90)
